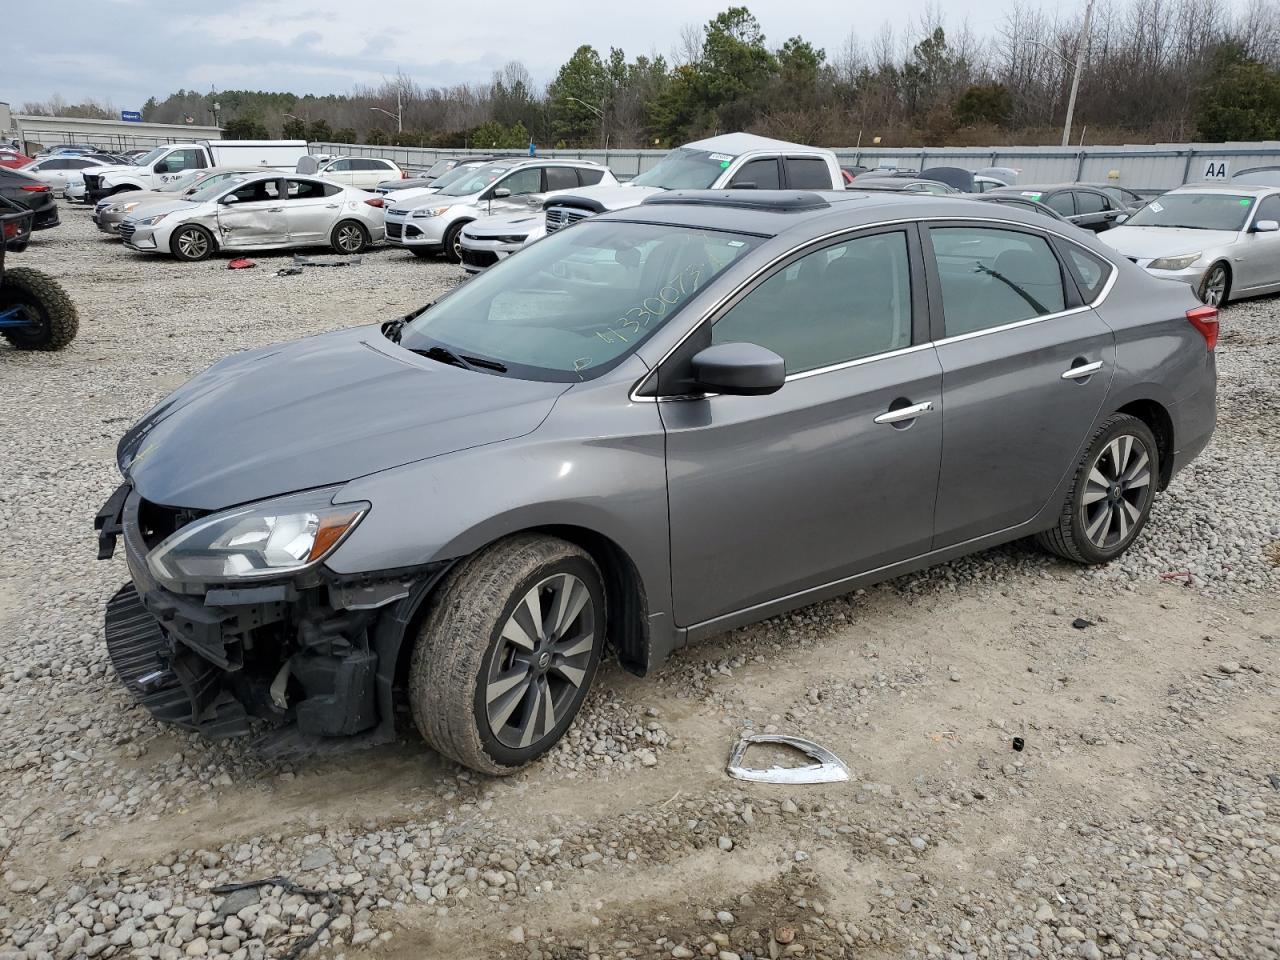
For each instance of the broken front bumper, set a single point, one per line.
(316, 653)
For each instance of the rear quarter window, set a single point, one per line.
(1090, 271)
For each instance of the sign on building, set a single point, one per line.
(1217, 170)
(131, 116)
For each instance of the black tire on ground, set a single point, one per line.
(452, 242)
(464, 653)
(1218, 275)
(44, 299)
(349, 237)
(422, 253)
(1111, 494)
(192, 243)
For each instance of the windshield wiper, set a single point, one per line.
(445, 355)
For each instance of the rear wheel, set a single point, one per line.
(192, 243)
(1111, 497)
(53, 317)
(1215, 288)
(508, 653)
(349, 237)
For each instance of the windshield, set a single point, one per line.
(148, 158)
(211, 190)
(576, 303)
(184, 181)
(451, 176)
(438, 169)
(1194, 211)
(685, 169)
(472, 181)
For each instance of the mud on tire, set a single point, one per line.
(46, 301)
(452, 671)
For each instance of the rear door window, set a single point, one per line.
(763, 174)
(1061, 202)
(991, 277)
(1090, 202)
(807, 173)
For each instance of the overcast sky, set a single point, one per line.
(127, 50)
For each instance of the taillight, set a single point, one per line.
(11, 230)
(1205, 319)
(375, 201)
(404, 175)
(36, 187)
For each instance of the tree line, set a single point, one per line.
(1151, 70)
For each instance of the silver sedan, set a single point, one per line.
(1222, 240)
(260, 211)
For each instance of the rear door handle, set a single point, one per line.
(905, 413)
(1084, 370)
(332, 206)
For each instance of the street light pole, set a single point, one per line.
(604, 138)
(1081, 45)
(393, 116)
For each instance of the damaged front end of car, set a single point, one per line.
(232, 615)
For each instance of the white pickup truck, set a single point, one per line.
(172, 160)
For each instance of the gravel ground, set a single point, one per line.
(1141, 818)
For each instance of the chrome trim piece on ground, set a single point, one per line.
(828, 769)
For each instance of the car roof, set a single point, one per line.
(769, 213)
(512, 162)
(1239, 189)
(1042, 187)
(739, 143)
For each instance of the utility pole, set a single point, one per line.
(1081, 46)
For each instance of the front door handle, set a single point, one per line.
(275, 209)
(905, 413)
(332, 206)
(1084, 370)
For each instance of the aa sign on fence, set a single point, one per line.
(1217, 170)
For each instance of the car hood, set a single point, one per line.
(501, 226)
(317, 412)
(616, 197)
(110, 171)
(1145, 243)
(140, 196)
(421, 197)
(165, 207)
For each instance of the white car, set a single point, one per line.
(362, 172)
(57, 172)
(433, 224)
(1222, 240)
(485, 242)
(258, 211)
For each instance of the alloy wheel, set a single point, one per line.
(1215, 286)
(1116, 492)
(193, 244)
(542, 657)
(349, 238)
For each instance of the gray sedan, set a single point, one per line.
(659, 425)
(1223, 241)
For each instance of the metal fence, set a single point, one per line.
(1156, 167)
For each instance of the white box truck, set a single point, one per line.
(172, 160)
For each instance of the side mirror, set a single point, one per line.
(500, 192)
(1122, 218)
(229, 199)
(739, 369)
(160, 167)
(1266, 226)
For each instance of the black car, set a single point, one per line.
(30, 192)
(1018, 203)
(1089, 207)
(902, 184)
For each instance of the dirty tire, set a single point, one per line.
(192, 243)
(1215, 288)
(349, 237)
(463, 633)
(1070, 537)
(44, 297)
(453, 242)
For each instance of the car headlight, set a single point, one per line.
(122, 207)
(267, 539)
(150, 221)
(423, 212)
(1174, 263)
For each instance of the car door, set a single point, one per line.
(1062, 201)
(524, 192)
(311, 207)
(759, 174)
(1255, 261)
(1094, 210)
(836, 473)
(53, 172)
(340, 171)
(807, 173)
(1026, 367)
(255, 217)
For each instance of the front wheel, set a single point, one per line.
(52, 317)
(191, 243)
(1111, 497)
(453, 243)
(1215, 288)
(508, 652)
(349, 237)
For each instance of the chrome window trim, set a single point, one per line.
(816, 241)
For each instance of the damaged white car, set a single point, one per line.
(258, 212)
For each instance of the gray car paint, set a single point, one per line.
(775, 501)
